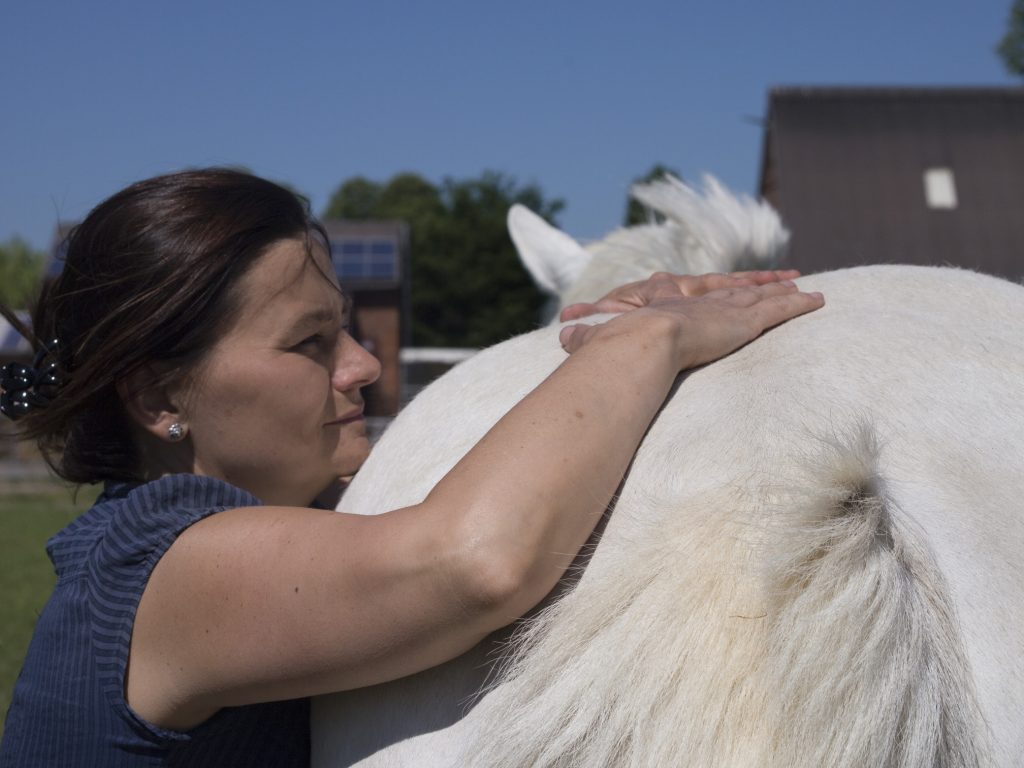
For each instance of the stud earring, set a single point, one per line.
(175, 432)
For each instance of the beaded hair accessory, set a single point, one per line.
(27, 387)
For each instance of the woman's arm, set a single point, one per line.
(269, 603)
(532, 508)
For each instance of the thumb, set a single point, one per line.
(576, 311)
(571, 337)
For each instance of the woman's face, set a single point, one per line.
(276, 408)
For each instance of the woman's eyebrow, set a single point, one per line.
(319, 315)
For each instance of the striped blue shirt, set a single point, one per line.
(68, 707)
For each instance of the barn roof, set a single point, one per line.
(910, 175)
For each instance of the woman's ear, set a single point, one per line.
(153, 405)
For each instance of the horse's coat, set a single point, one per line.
(814, 560)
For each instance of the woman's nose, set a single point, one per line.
(355, 366)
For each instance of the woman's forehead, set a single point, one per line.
(287, 276)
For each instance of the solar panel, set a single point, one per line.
(365, 258)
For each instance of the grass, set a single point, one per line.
(28, 517)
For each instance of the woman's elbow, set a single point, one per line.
(495, 582)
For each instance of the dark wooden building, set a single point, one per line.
(898, 175)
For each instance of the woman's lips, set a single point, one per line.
(356, 416)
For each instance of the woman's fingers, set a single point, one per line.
(782, 307)
(576, 311)
(663, 285)
(660, 285)
(698, 285)
(762, 276)
(720, 321)
(572, 337)
(749, 294)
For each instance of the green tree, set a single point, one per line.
(1011, 47)
(356, 198)
(468, 287)
(406, 196)
(637, 213)
(411, 197)
(21, 268)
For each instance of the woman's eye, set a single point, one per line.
(316, 340)
(322, 340)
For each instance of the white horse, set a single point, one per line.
(815, 559)
(710, 232)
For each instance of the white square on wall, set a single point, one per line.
(939, 188)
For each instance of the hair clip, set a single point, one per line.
(26, 387)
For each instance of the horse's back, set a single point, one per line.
(904, 390)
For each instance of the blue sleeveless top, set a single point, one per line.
(68, 707)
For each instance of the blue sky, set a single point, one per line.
(578, 97)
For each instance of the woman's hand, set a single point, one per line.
(707, 325)
(663, 285)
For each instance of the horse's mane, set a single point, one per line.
(709, 230)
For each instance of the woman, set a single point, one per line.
(200, 367)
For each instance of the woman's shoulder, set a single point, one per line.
(134, 521)
(151, 515)
(184, 493)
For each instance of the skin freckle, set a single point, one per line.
(579, 414)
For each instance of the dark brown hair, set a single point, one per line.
(148, 280)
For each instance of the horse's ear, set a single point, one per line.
(552, 257)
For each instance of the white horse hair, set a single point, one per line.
(815, 558)
(710, 232)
